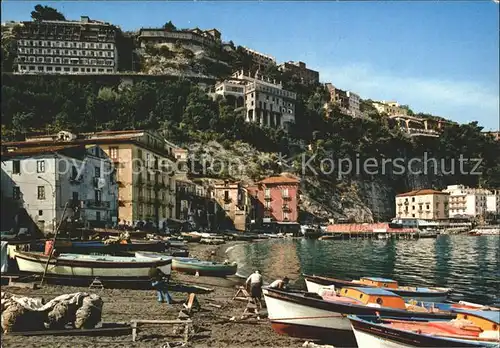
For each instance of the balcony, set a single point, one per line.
(286, 197)
(286, 208)
(75, 203)
(268, 197)
(268, 208)
(93, 204)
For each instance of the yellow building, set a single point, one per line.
(232, 205)
(422, 204)
(391, 108)
(145, 166)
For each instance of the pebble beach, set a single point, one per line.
(212, 327)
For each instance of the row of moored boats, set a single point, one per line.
(378, 312)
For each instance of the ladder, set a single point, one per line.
(96, 284)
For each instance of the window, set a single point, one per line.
(75, 196)
(113, 152)
(226, 195)
(16, 167)
(284, 192)
(40, 166)
(41, 192)
(16, 192)
(267, 204)
(285, 215)
(40, 212)
(98, 216)
(97, 196)
(268, 192)
(97, 172)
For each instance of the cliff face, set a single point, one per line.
(357, 200)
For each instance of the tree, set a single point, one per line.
(169, 26)
(46, 13)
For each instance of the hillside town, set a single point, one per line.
(169, 187)
(152, 195)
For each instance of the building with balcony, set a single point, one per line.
(265, 101)
(260, 60)
(145, 169)
(231, 205)
(55, 183)
(194, 39)
(493, 202)
(299, 69)
(66, 47)
(426, 204)
(275, 201)
(466, 201)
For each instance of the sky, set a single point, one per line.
(437, 57)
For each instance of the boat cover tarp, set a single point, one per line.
(4, 256)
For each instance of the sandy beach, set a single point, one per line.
(212, 327)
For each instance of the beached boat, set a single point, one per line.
(468, 329)
(191, 237)
(77, 265)
(434, 294)
(308, 315)
(100, 247)
(203, 268)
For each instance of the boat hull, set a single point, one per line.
(34, 263)
(300, 315)
(372, 335)
(314, 283)
(203, 269)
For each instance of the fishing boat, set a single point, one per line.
(100, 247)
(468, 329)
(191, 237)
(78, 265)
(433, 294)
(203, 268)
(308, 315)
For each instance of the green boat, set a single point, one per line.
(203, 268)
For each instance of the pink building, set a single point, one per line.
(275, 199)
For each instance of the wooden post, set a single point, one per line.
(54, 244)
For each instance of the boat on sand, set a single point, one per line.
(203, 268)
(468, 329)
(433, 294)
(91, 266)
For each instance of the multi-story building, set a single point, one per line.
(260, 59)
(145, 165)
(493, 202)
(275, 200)
(423, 204)
(232, 207)
(265, 101)
(54, 183)
(494, 134)
(347, 101)
(195, 39)
(299, 68)
(465, 201)
(66, 47)
(391, 108)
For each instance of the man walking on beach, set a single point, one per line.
(159, 281)
(254, 284)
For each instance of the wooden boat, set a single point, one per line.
(92, 247)
(311, 231)
(77, 265)
(308, 315)
(206, 268)
(434, 294)
(468, 329)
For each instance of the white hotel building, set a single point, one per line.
(465, 201)
(265, 101)
(66, 47)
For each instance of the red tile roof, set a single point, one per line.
(31, 151)
(278, 180)
(421, 192)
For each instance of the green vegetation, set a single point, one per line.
(46, 13)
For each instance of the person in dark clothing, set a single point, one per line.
(159, 281)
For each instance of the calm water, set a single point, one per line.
(468, 264)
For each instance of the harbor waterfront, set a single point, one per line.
(467, 264)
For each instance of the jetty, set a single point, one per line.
(375, 230)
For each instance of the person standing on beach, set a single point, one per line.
(159, 281)
(254, 284)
